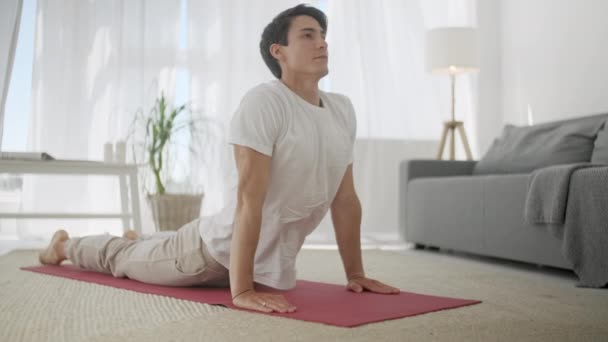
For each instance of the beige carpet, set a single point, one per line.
(521, 303)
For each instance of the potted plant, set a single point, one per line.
(162, 124)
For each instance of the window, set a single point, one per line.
(18, 100)
(16, 114)
(17, 109)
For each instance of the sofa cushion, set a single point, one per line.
(526, 148)
(600, 147)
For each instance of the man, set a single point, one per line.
(293, 147)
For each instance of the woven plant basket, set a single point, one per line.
(172, 211)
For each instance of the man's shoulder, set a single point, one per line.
(266, 90)
(265, 99)
(338, 99)
(337, 96)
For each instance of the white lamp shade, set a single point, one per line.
(452, 50)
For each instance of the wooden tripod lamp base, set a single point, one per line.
(452, 51)
(450, 127)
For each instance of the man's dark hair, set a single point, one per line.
(276, 32)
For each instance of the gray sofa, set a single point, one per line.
(478, 206)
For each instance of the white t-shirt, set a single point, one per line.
(311, 147)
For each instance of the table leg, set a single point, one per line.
(135, 201)
(124, 206)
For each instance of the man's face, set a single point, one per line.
(306, 51)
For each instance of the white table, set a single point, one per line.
(87, 168)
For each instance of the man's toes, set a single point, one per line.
(50, 255)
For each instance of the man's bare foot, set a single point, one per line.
(54, 253)
(130, 235)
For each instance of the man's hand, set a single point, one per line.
(366, 284)
(265, 302)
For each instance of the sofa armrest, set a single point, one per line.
(419, 168)
(412, 169)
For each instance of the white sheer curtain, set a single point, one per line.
(377, 58)
(10, 14)
(95, 63)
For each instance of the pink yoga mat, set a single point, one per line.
(316, 302)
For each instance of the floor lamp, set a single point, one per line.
(452, 51)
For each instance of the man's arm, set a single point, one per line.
(254, 174)
(254, 169)
(346, 217)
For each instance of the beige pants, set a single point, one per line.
(179, 260)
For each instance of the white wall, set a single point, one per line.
(541, 60)
(489, 82)
(555, 59)
(545, 59)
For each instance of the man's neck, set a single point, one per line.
(306, 88)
